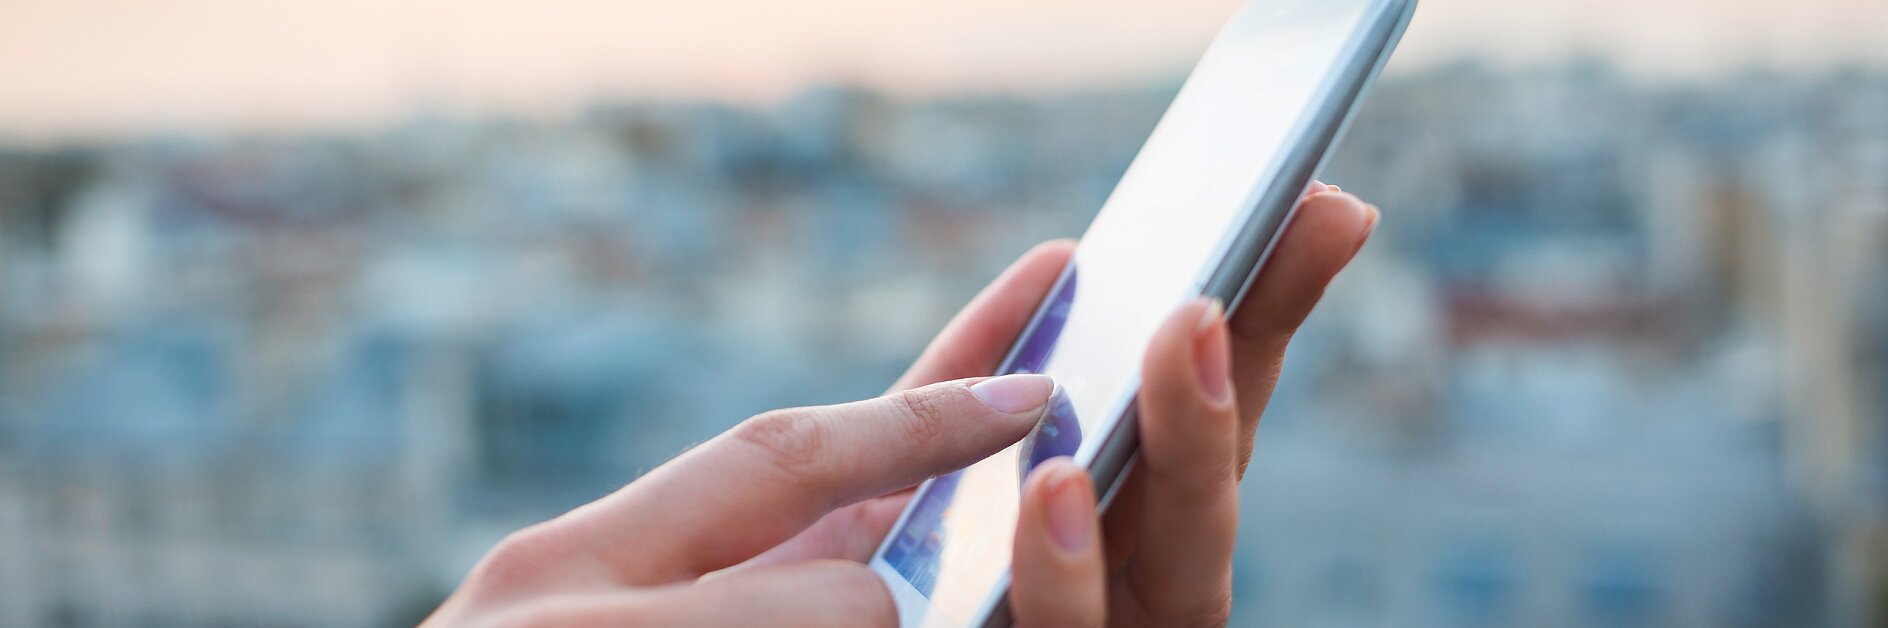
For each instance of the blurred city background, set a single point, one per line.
(303, 305)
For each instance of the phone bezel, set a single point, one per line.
(1240, 259)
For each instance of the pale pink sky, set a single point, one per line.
(102, 66)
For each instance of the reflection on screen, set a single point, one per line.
(1149, 250)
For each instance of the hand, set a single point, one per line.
(638, 556)
(779, 512)
(1164, 554)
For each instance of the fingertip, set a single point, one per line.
(1062, 472)
(1336, 212)
(1327, 231)
(1325, 234)
(1041, 264)
(1073, 521)
(1212, 358)
(1052, 252)
(1053, 475)
(1043, 473)
(1189, 357)
(1171, 346)
(1016, 393)
(1057, 244)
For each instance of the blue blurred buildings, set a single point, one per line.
(1618, 356)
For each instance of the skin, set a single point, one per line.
(769, 523)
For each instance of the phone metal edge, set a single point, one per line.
(1234, 274)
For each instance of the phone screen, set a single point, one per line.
(1154, 244)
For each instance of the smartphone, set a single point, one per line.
(1196, 213)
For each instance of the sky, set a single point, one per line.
(101, 67)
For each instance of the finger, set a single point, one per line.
(849, 533)
(769, 478)
(826, 593)
(970, 346)
(1325, 234)
(1058, 577)
(977, 338)
(1181, 569)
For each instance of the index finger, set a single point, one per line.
(769, 478)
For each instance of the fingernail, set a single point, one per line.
(1212, 359)
(1071, 511)
(1013, 394)
(1370, 227)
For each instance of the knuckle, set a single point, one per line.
(924, 418)
(791, 439)
(522, 560)
(1209, 486)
